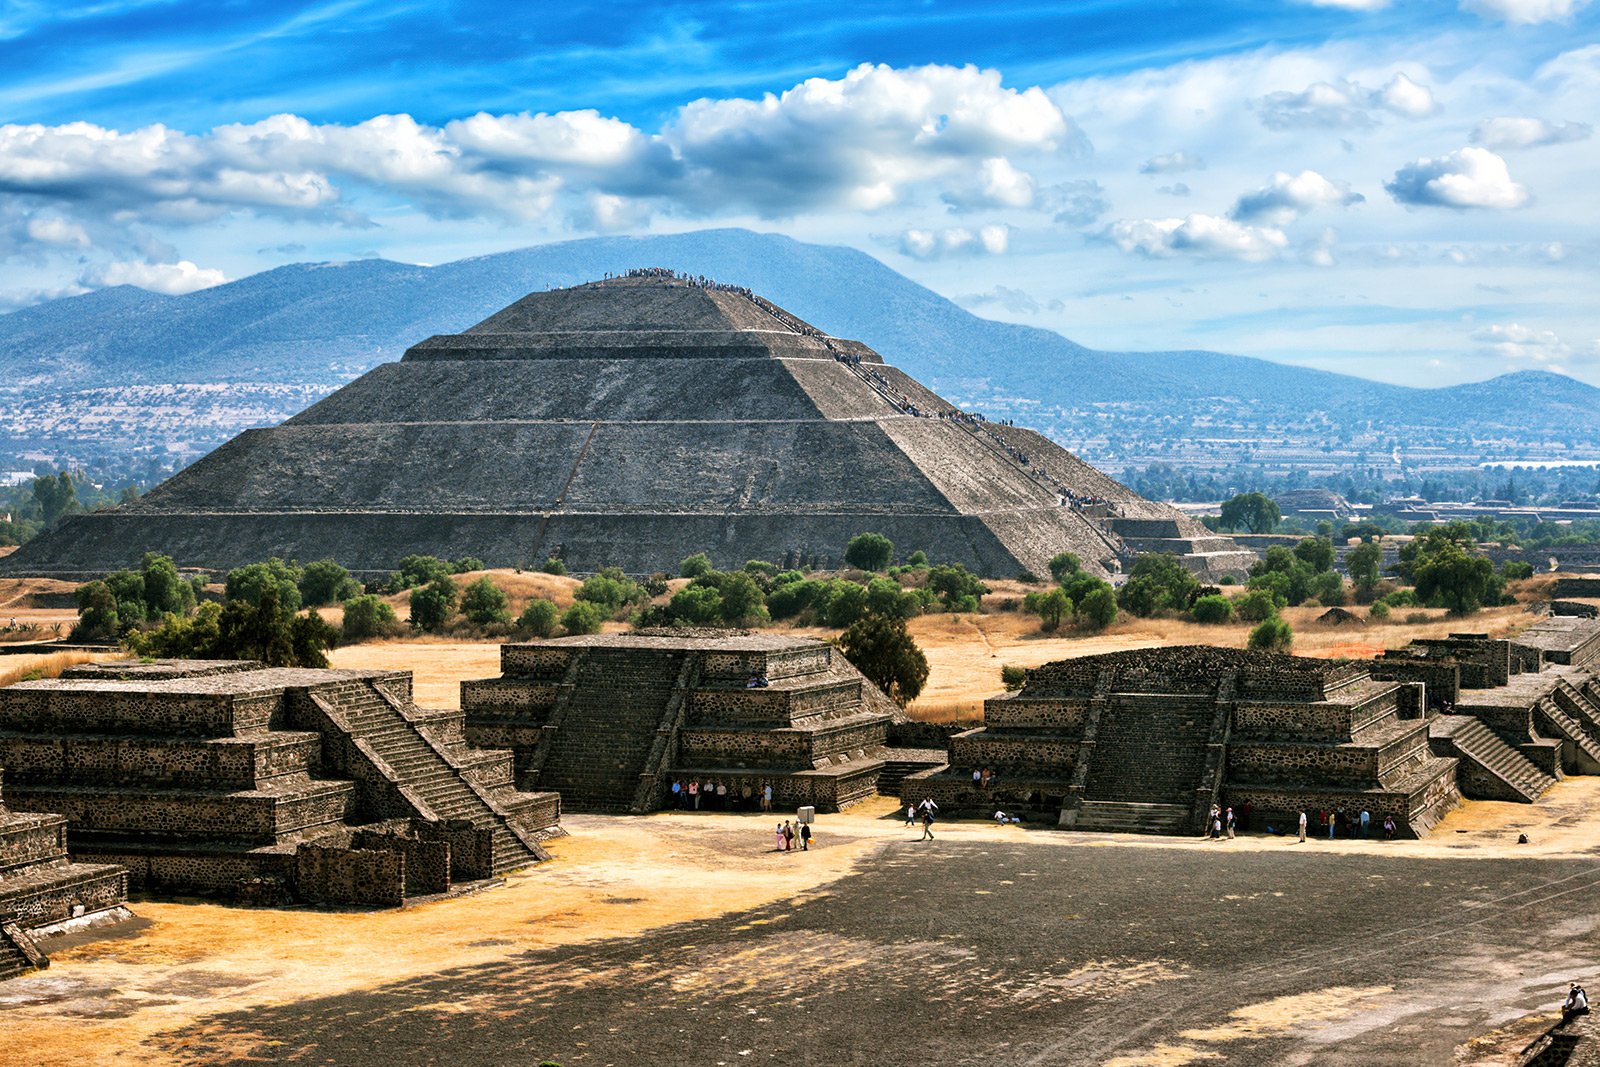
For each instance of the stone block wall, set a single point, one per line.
(374, 878)
(1442, 677)
(31, 840)
(1062, 714)
(78, 890)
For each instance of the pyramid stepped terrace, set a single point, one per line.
(634, 421)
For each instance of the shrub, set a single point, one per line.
(484, 603)
(1258, 605)
(582, 618)
(1013, 678)
(847, 603)
(366, 616)
(1515, 570)
(697, 605)
(433, 605)
(761, 569)
(326, 582)
(1212, 610)
(695, 565)
(466, 564)
(554, 566)
(1328, 589)
(655, 584)
(1157, 583)
(869, 551)
(957, 588)
(98, 618)
(538, 618)
(918, 558)
(611, 589)
(1272, 635)
(1379, 612)
(418, 570)
(791, 598)
(1402, 598)
(165, 590)
(883, 651)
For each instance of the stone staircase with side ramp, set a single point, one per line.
(1494, 769)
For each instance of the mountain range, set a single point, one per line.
(316, 326)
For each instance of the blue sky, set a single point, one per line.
(1397, 189)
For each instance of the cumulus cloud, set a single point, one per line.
(1514, 342)
(53, 230)
(1288, 196)
(1345, 104)
(1076, 203)
(1466, 178)
(1523, 12)
(1175, 189)
(996, 184)
(1202, 236)
(959, 241)
(173, 279)
(1507, 132)
(1172, 163)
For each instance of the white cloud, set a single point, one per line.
(53, 230)
(1507, 132)
(1075, 203)
(1343, 104)
(1172, 163)
(173, 279)
(1465, 178)
(1202, 236)
(1515, 342)
(1288, 196)
(996, 184)
(1319, 252)
(959, 241)
(1523, 11)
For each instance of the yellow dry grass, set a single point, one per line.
(27, 667)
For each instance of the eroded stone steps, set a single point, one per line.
(1124, 817)
(1474, 742)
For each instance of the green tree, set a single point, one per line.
(1053, 607)
(1379, 612)
(1063, 565)
(1515, 570)
(697, 605)
(128, 588)
(696, 565)
(1328, 588)
(957, 588)
(918, 558)
(538, 617)
(196, 636)
(883, 650)
(310, 638)
(1454, 578)
(251, 582)
(554, 566)
(165, 590)
(366, 616)
(56, 497)
(1365, 562)
(484, 603)
(582, 618)
(1212, 610)
(869, 551)
(418, 570)
(98, 618)
(611, 589)
(847, 603)
(326, 582)
(466, 565)
(743, 602)
(1316, 552)
(1272, 635)
(258, 629)
(433, 605)
(1158, 582)
(1250, 512)
(1098, 607)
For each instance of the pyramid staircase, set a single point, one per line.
(1479, 748)
(1149, 757)
(1571, 715)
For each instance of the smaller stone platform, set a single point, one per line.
(267, 785)
(611, 720)
(40, 887)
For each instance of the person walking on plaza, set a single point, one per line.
(1228, 823)
(1388, 827)
(1302, 826)
(805, 837)
(788, 836)
(766, 796)
(927, 824)
(911, 815)
(777, 838)
(1366, 818)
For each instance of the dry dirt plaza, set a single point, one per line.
(683, 938)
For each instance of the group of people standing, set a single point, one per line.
(718, 794)
(1338, 823)
(787, 833)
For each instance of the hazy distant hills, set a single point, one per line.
(317, 326)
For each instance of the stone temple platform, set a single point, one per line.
(266, 785)
(1148, 740)
(41, 889)
(609, 721)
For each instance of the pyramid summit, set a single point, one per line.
(634, 420)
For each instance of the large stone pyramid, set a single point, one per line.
(633, 421)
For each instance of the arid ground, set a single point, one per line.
(685, 939)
